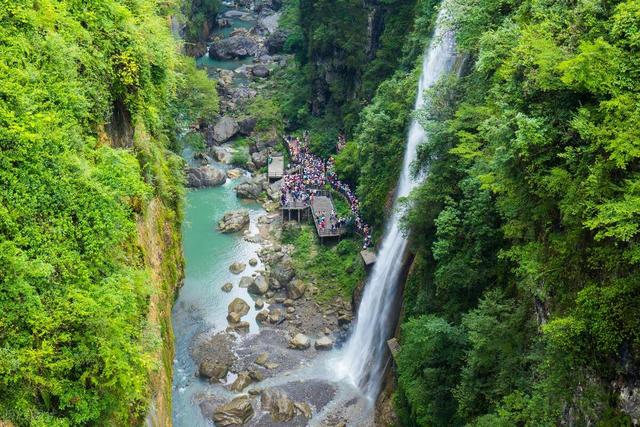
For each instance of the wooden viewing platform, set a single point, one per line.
(275, 170)
(324, 205)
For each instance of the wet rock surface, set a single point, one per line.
(205, 176)
(234, 221)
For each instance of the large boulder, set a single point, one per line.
(260, 158)
(296, 289)
(241, 382)
(245, 282)
(276, 41)
(236, 46)
(300, 342)
(278, 404)
(259, 286)
(252, 188)
(247, 125)
(261, 71)
(225, 129)
(283, 271)
(214, 370)
(234, 221)
(237, 412)
(324, 343)
(205, 176)
(238, 306)
(222, 154)
(237, 267)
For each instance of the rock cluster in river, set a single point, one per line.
(234, 221)
(205, 176)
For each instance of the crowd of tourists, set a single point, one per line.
(310, 175)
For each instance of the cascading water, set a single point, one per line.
(364, 356)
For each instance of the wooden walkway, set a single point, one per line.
(275, 169)
(324, 205)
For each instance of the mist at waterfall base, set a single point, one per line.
(365, 354)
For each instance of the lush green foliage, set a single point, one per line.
(335, 270)
(527, 227)
(200, 18)
(87, 109)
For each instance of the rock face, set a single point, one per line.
(278, 404)
(296, 289)
(324, 343)
(236, 412)
(233, 221)
(205, 176)
(259, 286)
(300, 342)
(252, 188)
(225, 129)
(237, 46)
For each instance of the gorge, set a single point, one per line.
(319, 212)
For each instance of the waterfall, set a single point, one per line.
(365, 355)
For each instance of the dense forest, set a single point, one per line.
(92, 96)
(521, 305)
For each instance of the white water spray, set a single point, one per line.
(365, 354)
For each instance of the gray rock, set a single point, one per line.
(259, 304)
(245, 282)
(225, 129)
(253, 262)
(296, 289)
(252, 188)
(205, 176)
(227, 287)
(260, 71)
(324, 343)
(236, 412)
(259, 286)
(276, 41)
(212, 369)
(284, 271)
(275, 315)
(236, 46)
(234, 221)
(247, 125)
(260, 158)
(300, 342)
(237, 267)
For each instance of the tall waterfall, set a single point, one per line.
(365, 353)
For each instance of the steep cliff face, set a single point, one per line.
(90, 211)
(342, 43)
